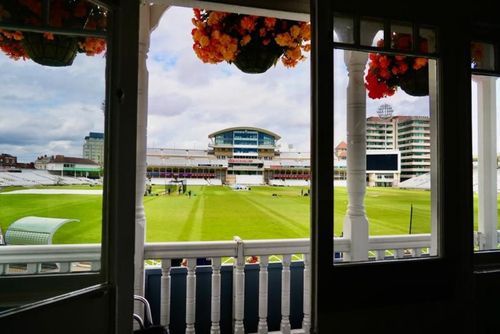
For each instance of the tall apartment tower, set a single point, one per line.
(409, 134)
(93, 148)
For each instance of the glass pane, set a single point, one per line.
(382, 211)
(401, 36)
(343, 31)
(428, 40)
(485, 150)
(482, 56)
(372, 33)
(51, 153)
(251, 177)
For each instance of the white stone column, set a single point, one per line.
(355, 222)
(487, 161)
(149, 18)
(142, 118)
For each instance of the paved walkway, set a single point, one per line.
(53, 192)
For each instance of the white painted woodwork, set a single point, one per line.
(306, 321)
(239, 288)
(191, 296)
(165, 292)
(487, 161)
(355, 222)
(285, 294)
(216, 293)
(433, 110)
(141, 147)
(294, 9)
(263, 294)
(64, 267)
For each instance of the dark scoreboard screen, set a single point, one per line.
(382, 162)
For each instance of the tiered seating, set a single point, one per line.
(418, 182)
(34, 177)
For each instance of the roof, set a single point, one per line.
(97, 135)
(276, 136)
(341, 145)
(71, 160)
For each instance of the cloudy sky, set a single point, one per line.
(46, 110)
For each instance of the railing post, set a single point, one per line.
(95, 265)
(165, 292)
(306, 322)
(263, 293)
(190, 296)
(64, 267)
(239, 288)
(285, 294)
(215, 315)
(32, 268)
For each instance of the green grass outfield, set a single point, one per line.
(219, 213)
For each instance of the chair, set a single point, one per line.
(146, 326)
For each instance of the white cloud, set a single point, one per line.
(189, 100)
(46, 110)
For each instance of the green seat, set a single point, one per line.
(33, 230)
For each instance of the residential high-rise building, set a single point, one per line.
(93, 148)
(408, 134)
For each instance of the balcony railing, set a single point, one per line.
(41, 259)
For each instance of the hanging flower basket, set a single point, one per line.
(47, 48)
(387, 72)
(252, 43)
(257, 58)
(58, 51)
(416, 83)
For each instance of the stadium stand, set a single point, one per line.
(424, 181)
(35, 177)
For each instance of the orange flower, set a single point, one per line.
(219, 36)
(419, 63)
(269, 22)
(245, 40)
(248, 23)
(386, 72)
(71, 14)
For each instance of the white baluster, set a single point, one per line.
(306, 322)
(95, 265)
(263, 294)
(380, 254)
(64, 267)
(285, 295)
(239, 289)
(33, 268)
(190, 296)
(165, 292)
(417, 252)
(216, 264)
(400, 253)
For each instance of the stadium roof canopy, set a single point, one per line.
(276, 136)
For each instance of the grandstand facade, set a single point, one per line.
(237, 155)
(68, 166)
(408, 134)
